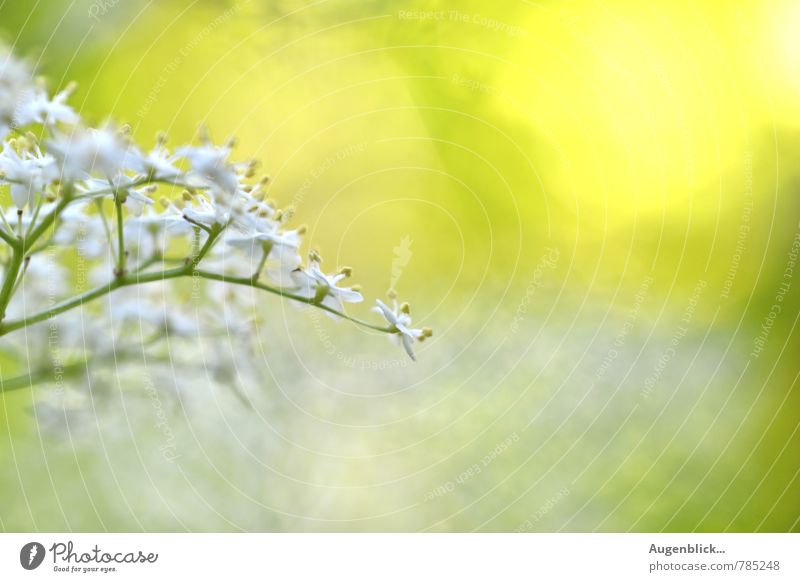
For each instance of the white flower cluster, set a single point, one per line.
(95, 190)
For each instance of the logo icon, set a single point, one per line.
(402, 255)
(31, 555)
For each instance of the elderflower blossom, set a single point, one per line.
(210, 167)
(399, 318)
(84, 152)
(96, 216)
(39, 108)
(28, 173)
(324, 289)
(16, 82)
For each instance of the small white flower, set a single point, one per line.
(36, 107)
(210, 165)
(312, 283)
(171, 219)
(28, 174)
(135, 198)
(281, 261)
(157, 162)
(150, 231)
(206, 212)
(102, 187)
(90, 151)
(16, 81)
(281, 245)
(399, 319)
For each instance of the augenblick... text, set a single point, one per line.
(687, 549)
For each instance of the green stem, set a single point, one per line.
(9, 238)
(11, 278)
(98, 202)
(120, 237)
(40, 376)
(197, 224)
(184, 271)
(5, 222)
(266, 248)
(26, 260)
(250, 282)
(35, 215)
(50, 218)
(213, 233)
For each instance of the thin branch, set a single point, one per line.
(11, 278)
(120, 237)
(35, 215)
(250, 282)
(184, 271)
(9, 238)
(40, 376)
(5, 222)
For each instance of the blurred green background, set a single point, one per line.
(592, 203)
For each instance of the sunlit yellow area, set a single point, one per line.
(592, 203)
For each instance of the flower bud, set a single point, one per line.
(202, 134)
